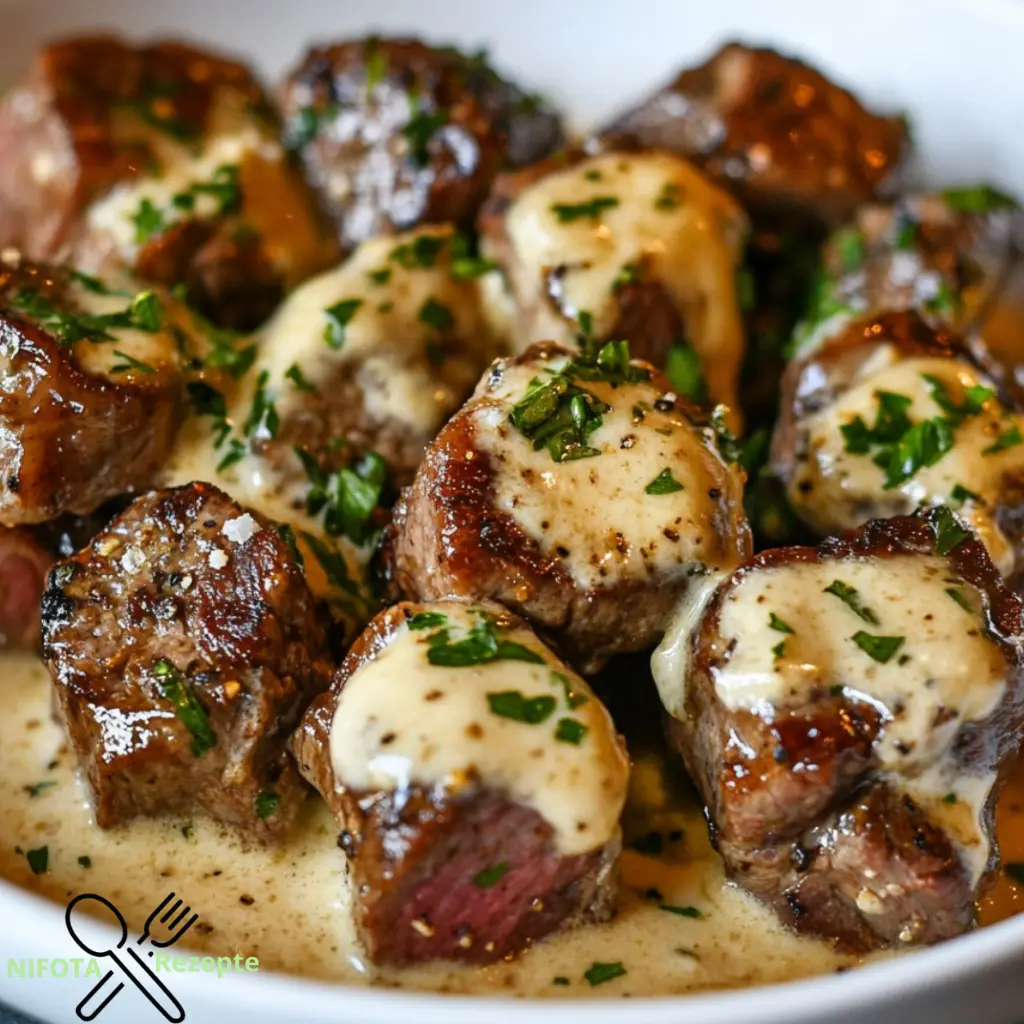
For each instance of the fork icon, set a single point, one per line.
(176, 918)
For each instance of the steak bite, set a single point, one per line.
(162, 159)
(577, 491)
(477, 780)
(891, 414)
(394, 133)
(622, 245)
(184, 646)
(848, 713)
(90, 391)
(774, 131)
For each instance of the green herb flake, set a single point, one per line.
(148, 221)
(598, 973)
(668, 198)
(418, 132)
(130, 363)
(267, 803)
(950, 798)
(1009, 438)
(38, 860)
(427, 620)
(263, 420)
(465, 264)
(176, 689)
(961, 495)
(39, 787)
(572, 696)
(436, 315)
(779, 650)
(681, 911)
(663, 483)
(904, 234)
(628, 274)
(85, 862)
(851, 598)
(567, 213)
(960, 598)
(978, 199)
(569, 730)
(287, 534)
(685, 371)
(879, 648)
(593, 175)
(491, 876)
(949, 532)
(379, 277)
(512, 704)
(849, 244)
(298, 378)
(348, 496)
(778, 624)
(422, 252)
(339, 316)
(482, 646)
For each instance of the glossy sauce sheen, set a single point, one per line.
(686, 232)
(833, 486)
(595, 514)
(290, 905)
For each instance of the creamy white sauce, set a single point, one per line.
(401, 720)
(290, 905)
(594, 514)
(946, 673)
(835, 489)
(232, 134)
(689, 238)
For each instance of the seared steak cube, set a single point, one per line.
(163, 159)
(394, 133)
(887, 414)
(578, 492)
(90, 393)
(848, 713)
(184, 646)
(773, 130)
(477, 780)
(635, 246)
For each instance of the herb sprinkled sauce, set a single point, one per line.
(463, 692)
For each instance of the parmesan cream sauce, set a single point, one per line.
(441, 731)
(666, 216)
(835, 489)
(290, 905)
(594, 514)
(945, 663)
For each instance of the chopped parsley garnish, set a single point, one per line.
(267, 803)
(880, 648)
(298, 378)
(148, 221)
(349, 495)
(96, 286)
(381, 276)
(569, 730)
(961, 495)
(38, 860)
(85, 862)
(176, 689)
(339, 316)
(958, 596)
(130, 363)
(950, 798)
(685, 371)
(144, 313)
(206, 400)
(491, 876)
(419, 130)
(223, 189)
(567, 213)
(287, 534)
(593, 175)
(427, 620)
(482, 645)
(851, 598)
(375, 64)
(778, 624)
(465, 264)
(779, 650)
(1009, 438)
(39, 787)
(978, 199)
(668, 197)
(303, 128)
(663, 483)
(744, 452)
(263, 420)
(681, 911)
(436, 315)
(905, 233)
(945, 302)
(849, 244)
(512, 704)
(422, 251)
(572, 697)
(598, 973)
(335, 570)
(949, 533)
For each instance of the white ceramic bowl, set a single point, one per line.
(957, 66)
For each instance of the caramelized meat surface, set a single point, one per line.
(90, 393)
(462, 844)
(394, 132)
(162, 159)
(848, 713)
(184, 646)
(773, 130)
(581, 495)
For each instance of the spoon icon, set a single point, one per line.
(83, 929)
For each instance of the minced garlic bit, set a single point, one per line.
(241, 529)
(218, 559)
(133, 560)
